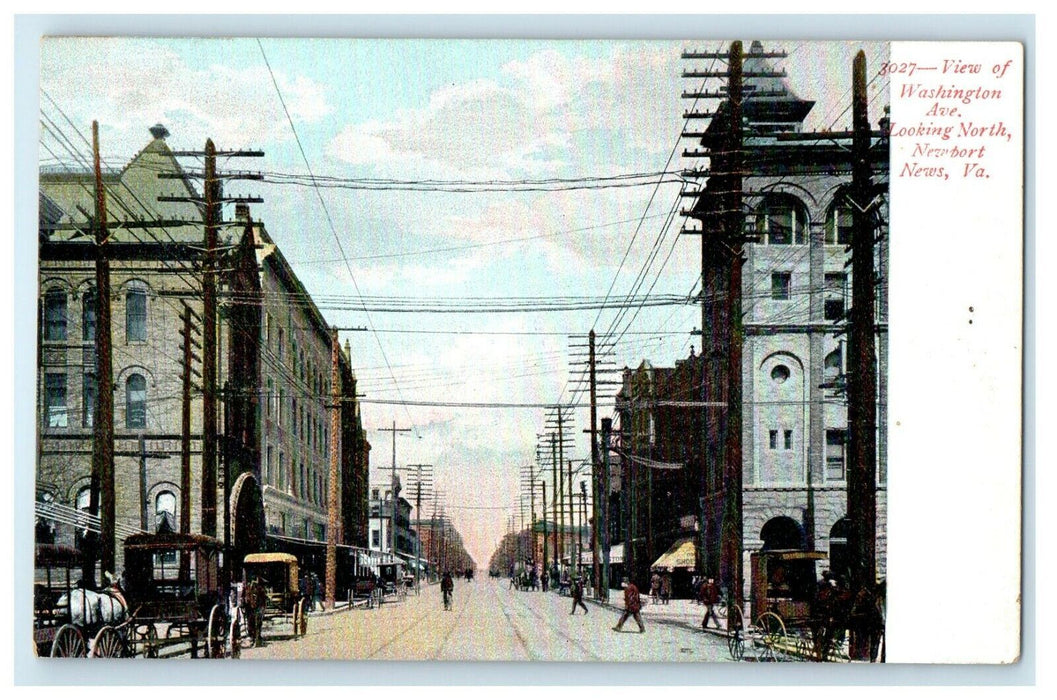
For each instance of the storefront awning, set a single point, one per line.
(681, 555)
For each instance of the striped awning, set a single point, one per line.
(681, 555)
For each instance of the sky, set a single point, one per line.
(442, 111)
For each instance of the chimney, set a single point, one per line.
(242, 213)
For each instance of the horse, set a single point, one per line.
(90, 608)
(254, 599)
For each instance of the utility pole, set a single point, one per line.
(101, 498)
(211, 189)
(212, 201)
(418, 516)
(607, 428)
(720, 206)
(392, 486)
(862, 375)
(187, 369)
(554, 497)
(543, 490)
(573, 562)
(596, 569)
(333, 490)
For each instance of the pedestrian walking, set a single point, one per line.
(632, 606)
(447, 587)
(655, 587)
(709, 597)
(577, 592)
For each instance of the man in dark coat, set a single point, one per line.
(577, 592)
(632, 606)
(710, 598)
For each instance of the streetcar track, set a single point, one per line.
(517, 633)
(554, 627)
(400, 634)
(454, 626)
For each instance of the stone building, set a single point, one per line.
(795, 287)
(274, 360)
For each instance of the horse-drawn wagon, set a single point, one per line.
(271, 593)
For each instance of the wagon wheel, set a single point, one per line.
(300, 619)
(736, 645)
(68, 643)
(805, 645)
(147, 636)
(216, 633)
(107, 644)
(773, 635)
(735, 619)
(235, 635)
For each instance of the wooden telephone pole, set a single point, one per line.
(101, 498)
(862, 355)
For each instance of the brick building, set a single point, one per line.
(273, 356)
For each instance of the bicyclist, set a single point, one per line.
(447, 586)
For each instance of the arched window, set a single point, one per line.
(136, 401)
(88, 316)
(781, 220)
(782, 533)
(136, 314)
(833, 365)
(839, 557)
(839, 223)
(83, 503)
(45, 528)
(165, 512)
(55, 315)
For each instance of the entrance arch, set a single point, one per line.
(839, 556)
(247, 517)
(782, 533)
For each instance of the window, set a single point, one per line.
(55, 315)
(45, 529)
(282, 472)
(87, 399)
(788, 439)
(780, 374)
(780, 284)
(136, 401)
(839, 225)
(279, 407)
(55, 400)
(281, 345)
(136, 314)
(836, 283)
(88, 316)
(83, 503)
(781, 221)
(270, 400)
(835, 439)
(376, 538)
(773, 439)
(165, 512)
(374, 494)
(268, 466)
(833, 365)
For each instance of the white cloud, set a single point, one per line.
(233, 103)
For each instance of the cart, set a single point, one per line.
(71, 620)
(788, 621)
(275, 574)
(54, 633)
(176, 596)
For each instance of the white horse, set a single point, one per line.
(90, 608)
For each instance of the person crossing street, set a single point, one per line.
(577, 592)
(632, 606)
